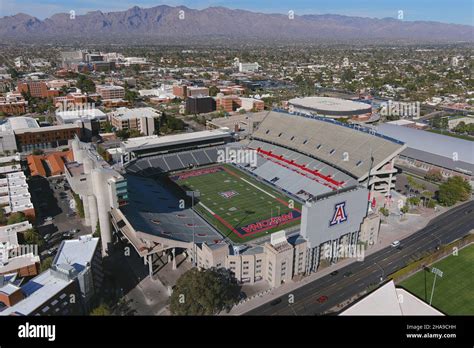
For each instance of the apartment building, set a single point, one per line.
(227, 103)
(15, 196)
(145, 120)
(110, 91)
(37, 89)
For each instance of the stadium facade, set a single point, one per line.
(333, 171)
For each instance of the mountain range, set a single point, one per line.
(182, 23)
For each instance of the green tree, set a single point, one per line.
(3, 219)
(97, 230)
(102, 309)
(123, 134)
(79, 205)
(204, 292)
(31, 236)
(85, 84)
(16, 218)
(213, 90)
(453, 190)
(46, 264)
(434, 175)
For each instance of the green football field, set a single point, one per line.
(238, 206)
(454, 292)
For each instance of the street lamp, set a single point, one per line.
(383, 272)
(439, 239)
(193, 194)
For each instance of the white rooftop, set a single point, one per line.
(330, 104)
(388, 300)
(126, 113)
(38, 291)
(87, 113)
(156, 141)
(77, 252)
(19, 122)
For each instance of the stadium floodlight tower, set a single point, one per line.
(436, 272)
(193, 194)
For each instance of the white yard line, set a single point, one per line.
(209, 210)
(258, 188)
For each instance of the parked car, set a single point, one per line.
(395, 244)
(322, 299)
(52, 251)
(334, 273)
(47, 237)
(275, 302)
(48, 219)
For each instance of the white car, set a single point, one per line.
(395, 244)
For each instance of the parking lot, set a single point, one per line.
(55, 217)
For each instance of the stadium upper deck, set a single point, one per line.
(342, 146)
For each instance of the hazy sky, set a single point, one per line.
(447, 11)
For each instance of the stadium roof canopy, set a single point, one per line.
(154, 141)
(347, 147)
(431, 147)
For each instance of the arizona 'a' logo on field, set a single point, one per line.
(339, 214)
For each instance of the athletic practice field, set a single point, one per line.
(237, 205)
(453, 293)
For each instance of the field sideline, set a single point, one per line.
(237, 205)
(453, 292)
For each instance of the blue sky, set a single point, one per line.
(447, 11)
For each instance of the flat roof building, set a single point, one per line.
(110, 91)
(76, 270)
(14, 194)
(426, 151)
(145, 120)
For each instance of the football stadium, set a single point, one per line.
(238, 206)
(304, 187)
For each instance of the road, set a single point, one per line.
(443, 229)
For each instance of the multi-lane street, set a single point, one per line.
(339, 288)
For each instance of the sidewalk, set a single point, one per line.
(396, 230)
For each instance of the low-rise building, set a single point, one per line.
(76, 273)
(13, 104)
(49, 165)
(145, 120)
(110, 91)
(195, 91)
(277, 261)
(14, 195)
(200, 105)
(29, 139)
(37, 89)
